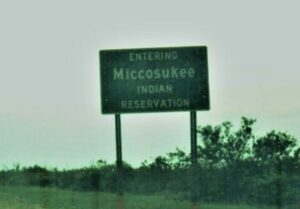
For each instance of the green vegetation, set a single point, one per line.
(234, 167)
(44, 198)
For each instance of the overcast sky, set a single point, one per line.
(49, 74)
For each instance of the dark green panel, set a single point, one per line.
(154, 80)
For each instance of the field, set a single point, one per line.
(36, 198)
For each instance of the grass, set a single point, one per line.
(37, 198)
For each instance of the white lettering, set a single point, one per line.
(150, 74)
(155, 103)
(152, 56)
(118, 75)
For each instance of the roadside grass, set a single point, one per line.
(39, 198)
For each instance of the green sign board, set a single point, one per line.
(154, 80)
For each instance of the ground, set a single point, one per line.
(38, 198)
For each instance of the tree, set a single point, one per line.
(178, 159)
(225, 155)
(271, 152)
(274, 146)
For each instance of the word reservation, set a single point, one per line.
(155, 103)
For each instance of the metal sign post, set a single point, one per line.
(193, 138)
(119, 145)
(193, 118)
(119, 163)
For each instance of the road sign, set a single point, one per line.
(154, 80)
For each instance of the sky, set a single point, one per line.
(49, 74)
